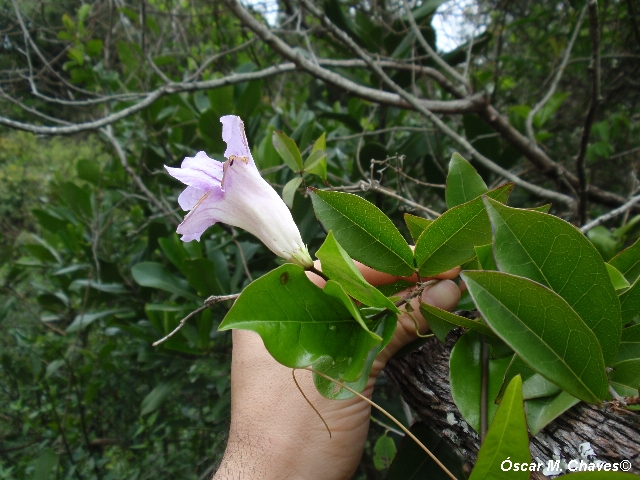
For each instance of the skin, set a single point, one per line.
(274, 432)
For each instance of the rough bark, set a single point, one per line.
(423, 380)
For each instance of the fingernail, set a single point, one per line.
(445, 295)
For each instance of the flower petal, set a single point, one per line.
(194, 178)
(235, 138)
(202, 162)
(189, 197)
(202, 216)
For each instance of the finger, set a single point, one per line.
(445, 295)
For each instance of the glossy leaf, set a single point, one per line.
(625, 377)
(552, 252)
(507, 438)
(320, 168)
(429, 312)
(630, 303)
(384, 452)
(463, 182)
(484, 253)
(301, 325)
(385, 328)
(628, 262)
(174, 250)
(334, 289)
(314, 159)
(416, 225)
(364, 231)
(465, 378)
(289, 190)
(542, 411)
(338, 266)
(630, 344)
(543, 330)
(450, 240)
(617, 279)
(154, 275)
(534, 385)
(288, 150)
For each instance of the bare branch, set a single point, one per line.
(594, 35)
(411, 100)
(207, 303)
(108, 132)
(469, 104)
(612, 214)
(436, 58)
(556, 79)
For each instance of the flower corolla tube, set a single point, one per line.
(234, 193)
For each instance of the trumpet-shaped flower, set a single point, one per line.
(233, 192)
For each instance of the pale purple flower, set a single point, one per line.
(233, 192)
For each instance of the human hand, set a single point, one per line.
(274, 432)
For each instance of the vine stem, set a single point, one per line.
(390, 417)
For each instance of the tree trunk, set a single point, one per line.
(422, 377)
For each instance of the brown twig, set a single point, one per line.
(212, 300)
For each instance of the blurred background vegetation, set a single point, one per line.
(91, 271)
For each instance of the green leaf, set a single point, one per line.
(534, 385)
(604, 240)
(77, 199)
(542, 411)
(334, 289)
(83, 320)
(249, 99)
(47, 459)
(174, 250)
(221, 100)
(549, 108)
(630, 344)
(288, 150)
(450, 239)
(88, 170)
(552, 252)
(507, 438)
(314, 159)
(463, 182)
(384, 452)
(385, 328)
(301, 325)
(628, 262)
(156, 397)
(429, 312)
(543, 330)
(83, 12)
(484, 253)
(625, 377)
(201, 275)
(416, 225)
(155, 275)
(339, 267)
(617, 279)
(465, 376)
(68, 23)
(630, 302)
(321, 168)
(366, 233)
(289, 190)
